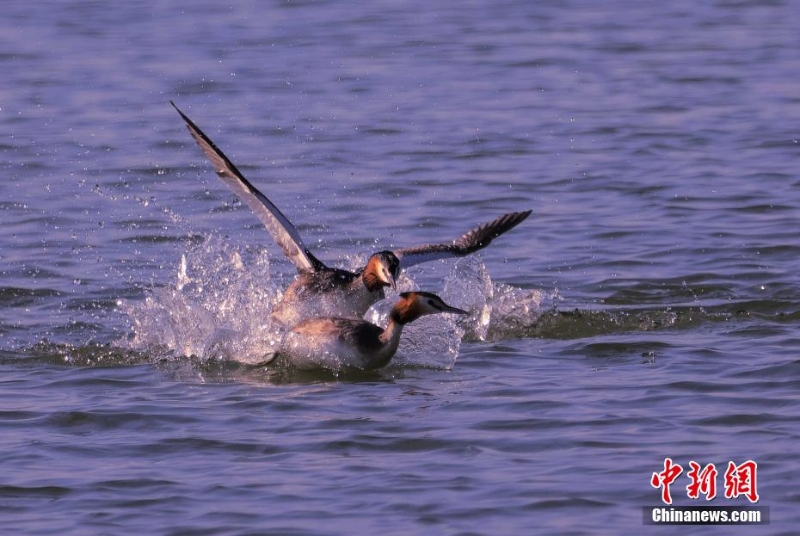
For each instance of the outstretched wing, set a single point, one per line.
(283, 232)
(470, 242)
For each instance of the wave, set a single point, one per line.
(213, 317)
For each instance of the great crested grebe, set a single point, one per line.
(323, 291)
(337, 343)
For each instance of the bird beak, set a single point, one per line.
(388, 278)
(454, 310)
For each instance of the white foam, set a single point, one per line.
(217, 307)
(219, 301)
(497, 311)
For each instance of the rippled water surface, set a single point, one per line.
(647, 308)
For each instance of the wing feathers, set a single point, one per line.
(283, 232)
(288, 238)
(470, 242)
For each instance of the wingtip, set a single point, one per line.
(522, 215)
(506, 222)
(482, 235)
(183, 115)
(512, 219)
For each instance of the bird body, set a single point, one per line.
(320, 290)
(350, 343)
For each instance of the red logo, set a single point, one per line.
(704, 481)
(665, 478)
(739, 480)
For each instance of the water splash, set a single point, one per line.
(217, 307)
(432, 341)
(497, 311)
(215, 314)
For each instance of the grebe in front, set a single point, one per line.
(323, 291)
(349, 343)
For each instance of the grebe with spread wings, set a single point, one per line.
(320, 290)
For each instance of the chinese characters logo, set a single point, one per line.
(739, 480)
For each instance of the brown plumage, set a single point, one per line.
(339, 343)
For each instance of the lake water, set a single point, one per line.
(648, 308)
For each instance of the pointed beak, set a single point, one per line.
(394, 273)
(454, 310)
(392, 283)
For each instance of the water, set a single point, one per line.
(647, 309)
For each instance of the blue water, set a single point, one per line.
(647, 308)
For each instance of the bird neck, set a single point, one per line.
(405, 311)
(371, 280)
(391, 335)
